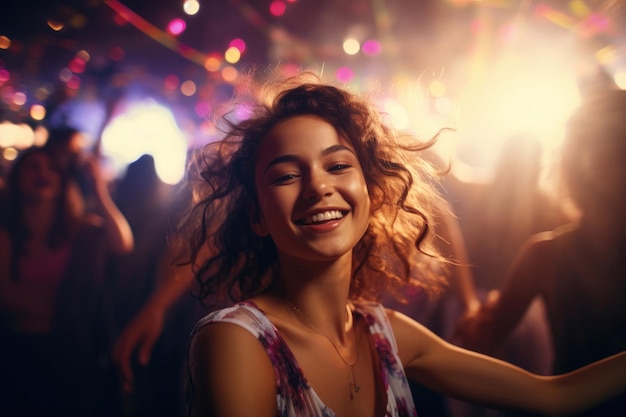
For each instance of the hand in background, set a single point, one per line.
(139, 336)
(475, 329)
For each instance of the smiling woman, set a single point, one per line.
(301, 136)
(310, 211)
(307, 177)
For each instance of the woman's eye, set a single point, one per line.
(339, 167)
(284, 178)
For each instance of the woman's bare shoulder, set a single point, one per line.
(231, 371)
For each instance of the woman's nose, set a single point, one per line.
(317, 185)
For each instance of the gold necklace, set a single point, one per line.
(354, 386)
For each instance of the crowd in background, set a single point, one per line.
(86, 278)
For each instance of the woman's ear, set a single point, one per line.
(257, 222)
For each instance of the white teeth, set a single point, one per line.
(325, 216)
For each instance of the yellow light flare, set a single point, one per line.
(37, 112)
(19, 136)
(351, 46)
(232, 55)
(191, 7)
(9, 154)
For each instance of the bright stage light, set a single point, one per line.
(146, 128)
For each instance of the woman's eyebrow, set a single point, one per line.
(336, 148)
(293, 158)
(280, 159)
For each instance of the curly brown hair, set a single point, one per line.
(232, 262)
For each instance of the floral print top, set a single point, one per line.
(295, 397)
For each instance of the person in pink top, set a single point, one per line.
(52, 259)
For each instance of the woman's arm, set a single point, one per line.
(484, 380)
(231, 374)
(118, 232)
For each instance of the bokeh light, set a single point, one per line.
(344, 74)
(83, 55)
(4, 76)
(5, 42)
(19, 98)
(37, 112)
(77, 65)
(351, 46)
(18, 136)
(176, 27)
(372, 47)
(232, 55)
(239, 44)
(10, 154)
(278, 8)
(73, 83)
(56, 26)
(229, 74)
(65, 75)
(188, 88)
(191, 7)
(212, 63)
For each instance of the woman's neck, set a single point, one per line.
(317, 293)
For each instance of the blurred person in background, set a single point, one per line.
(67, 146)
(148, 203)
(53, 330)
(579, 269)
(150, 342)
(497, 216)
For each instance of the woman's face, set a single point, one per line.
(313, 198)
(38, 178)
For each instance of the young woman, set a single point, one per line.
(52, 271)
(309, 210)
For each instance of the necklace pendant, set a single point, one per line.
(354, 389)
